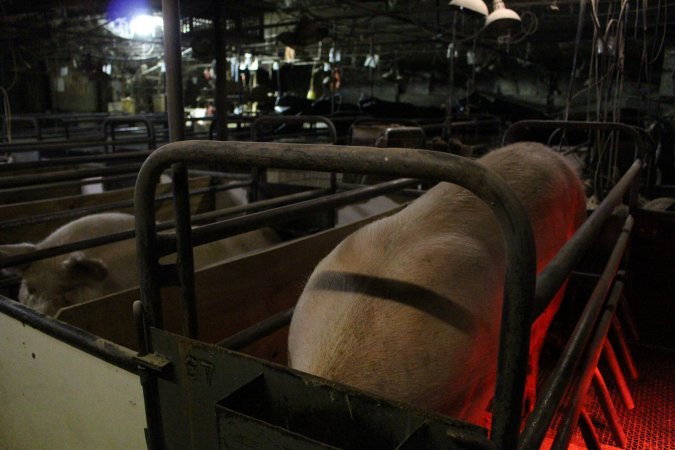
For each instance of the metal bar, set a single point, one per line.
(12, 191)
(588, 432)
(607, 405)
(208, 233)
(288, 120)
(31, 180)
(174, 78)
(259, 205)
(130, 234)
(520, 278)
(627, 315)
(557, 383)
(631, 132)
(62, 249)
(32, 120)
(623, 348)
(102, 157)
(619, 378)
(64, 332)
(60, 145)
(555, 273)
(216, 174)
(261, 329)
(175, 112)
(414, 193)
(220, 50)
(110, 122)
(590, 362)
(185, 259)
(79, 212)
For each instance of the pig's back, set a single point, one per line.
(409, 306)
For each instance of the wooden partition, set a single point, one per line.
(19, 195)
(34, 232)
(230, 296)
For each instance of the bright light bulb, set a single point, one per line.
(145, 25)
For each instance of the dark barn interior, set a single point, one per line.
(172, 172)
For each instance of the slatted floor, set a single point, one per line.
(651, 424)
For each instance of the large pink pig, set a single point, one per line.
(409, 307)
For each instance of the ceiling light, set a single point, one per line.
(500, 13)
(144, 25)
(472, 6)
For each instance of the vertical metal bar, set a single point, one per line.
(221, 71)
(608, 408)
(623, 348)
(588, 431)
(149, 281)
(174, 81)
(174, 77)
(149, 276)
(617, 372)
(184, 258)
(627, 315)
(514, 344)
(258, 177)
(112, 136)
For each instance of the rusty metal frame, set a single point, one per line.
(94, 345)
(200, 218)
(632, 132)
(97, 158)
(86, 210)
(584, 346)
(567, 368)
(19, 147)
(106, 136)
(635, 134)
(76, 182)
(27, 119)
(293, 120)
(109, 126)
(66, 175)
(519, 289)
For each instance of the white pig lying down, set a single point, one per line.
(409, 307)
(50, 284)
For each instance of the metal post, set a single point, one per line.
(607, 405)
(627, 315)
(619, 378)
(146, 230)
(174, 77)
(185, 263)
(623, 348)
(220, 50)
(588, 431)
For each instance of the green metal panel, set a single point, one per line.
(213, 398)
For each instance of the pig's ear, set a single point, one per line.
(13, 250)
(80, 268)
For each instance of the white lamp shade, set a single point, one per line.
(474, 6)
(504, 16)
